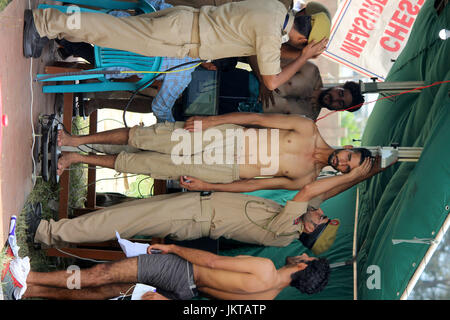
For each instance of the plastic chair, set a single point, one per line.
(107, 58)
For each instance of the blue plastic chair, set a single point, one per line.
(107, 58)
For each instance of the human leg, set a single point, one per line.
(69, 158)
(116, 136)
(123, 271)
(179, 215)
(94, 293)
(162, 33)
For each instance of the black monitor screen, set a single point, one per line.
(201, 96)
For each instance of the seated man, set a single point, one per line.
(303, 94)
(287, 150)
(178, 273)
(236, 29)
(193, 215)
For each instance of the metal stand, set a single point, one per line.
(387, 88)
(394, 152)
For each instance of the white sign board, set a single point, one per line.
(366, 35)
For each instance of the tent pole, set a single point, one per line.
(355, 272)
(426, 259)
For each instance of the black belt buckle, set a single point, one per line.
(205, 193)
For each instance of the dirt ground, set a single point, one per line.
(22, 102)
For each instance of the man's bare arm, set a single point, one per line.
(247, 185)
(272, 120)
(328, 187)
(311, 50)
(265, 95)
(207, 259)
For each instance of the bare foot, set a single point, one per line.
(65, 139)
(65, 161)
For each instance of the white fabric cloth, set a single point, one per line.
(131, 249)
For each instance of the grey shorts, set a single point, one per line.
(171, 275)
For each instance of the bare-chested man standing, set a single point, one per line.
(222, 153)
(177, 273)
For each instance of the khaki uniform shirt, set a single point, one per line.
(255, 220)
(295, 96)
(245, 28)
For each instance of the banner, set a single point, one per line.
(368, 35)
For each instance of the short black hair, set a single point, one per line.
(313, 278)
(355, 90)
(302, 24)
(364, 153)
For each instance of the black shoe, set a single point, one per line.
(33, 219)
(33, 43)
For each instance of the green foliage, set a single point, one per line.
(354, 130)
(141, 188)
(3, 4)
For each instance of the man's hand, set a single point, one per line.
(193, 184)
(153, 296)
(265, 96)
(314, 49)
(165, 248)
(206, 122)
(364, 169)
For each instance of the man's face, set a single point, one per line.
(299, 259)
(344, 160)
(336, 98)
(296, 39)
(314, 218)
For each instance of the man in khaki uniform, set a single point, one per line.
(232, 30)
(192, 215)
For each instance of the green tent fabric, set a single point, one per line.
(409, 199)
(406, 200)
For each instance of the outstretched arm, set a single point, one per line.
(265, 95)
(247, 185)
(273, 120)
(245, 264)
(313, 49)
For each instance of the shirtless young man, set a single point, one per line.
(289, 156)
(179, 273)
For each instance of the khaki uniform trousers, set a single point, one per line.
(161, 162)
(166, 33)
(201, 3)
(181, 216)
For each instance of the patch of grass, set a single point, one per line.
(3, 4)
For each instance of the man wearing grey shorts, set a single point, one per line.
(178, 273)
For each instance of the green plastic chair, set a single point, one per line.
(106, 57)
